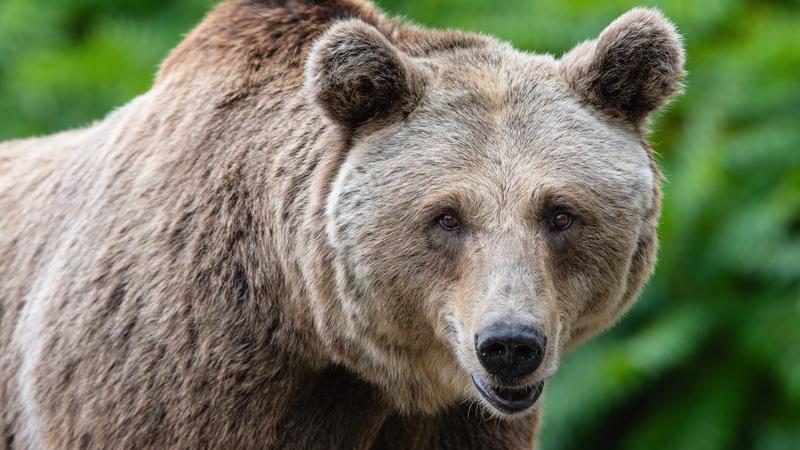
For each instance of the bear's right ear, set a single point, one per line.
(356, 75)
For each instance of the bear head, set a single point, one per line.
(493, 207)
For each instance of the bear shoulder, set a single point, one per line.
(247, 35)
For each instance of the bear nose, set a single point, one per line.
(510, 352)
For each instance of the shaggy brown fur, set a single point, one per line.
(244, 257)
(631, 70)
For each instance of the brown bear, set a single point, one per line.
(327, 228)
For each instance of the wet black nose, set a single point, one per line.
(510, 351)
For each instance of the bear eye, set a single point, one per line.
(561, 221)
(449, 222)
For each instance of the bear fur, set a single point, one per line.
(246, 255)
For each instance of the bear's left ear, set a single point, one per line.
(631, 70)
(357, 76)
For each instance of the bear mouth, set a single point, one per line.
(509, 400)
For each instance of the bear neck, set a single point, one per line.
(324, 409)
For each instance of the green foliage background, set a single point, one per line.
(709, 358)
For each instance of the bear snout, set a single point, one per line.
(510, 351)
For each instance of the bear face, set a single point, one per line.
(493, 208)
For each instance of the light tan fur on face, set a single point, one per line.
(248, 254)
(535, 144)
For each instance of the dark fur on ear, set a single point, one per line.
(356, 75)
(631, 70)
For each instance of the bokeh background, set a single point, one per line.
(709, 358)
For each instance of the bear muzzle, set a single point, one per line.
(510, 353)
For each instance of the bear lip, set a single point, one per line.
(509, 400)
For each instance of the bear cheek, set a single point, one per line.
(393, 272)
(451, 297)
(594, 287)
(572, 265)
